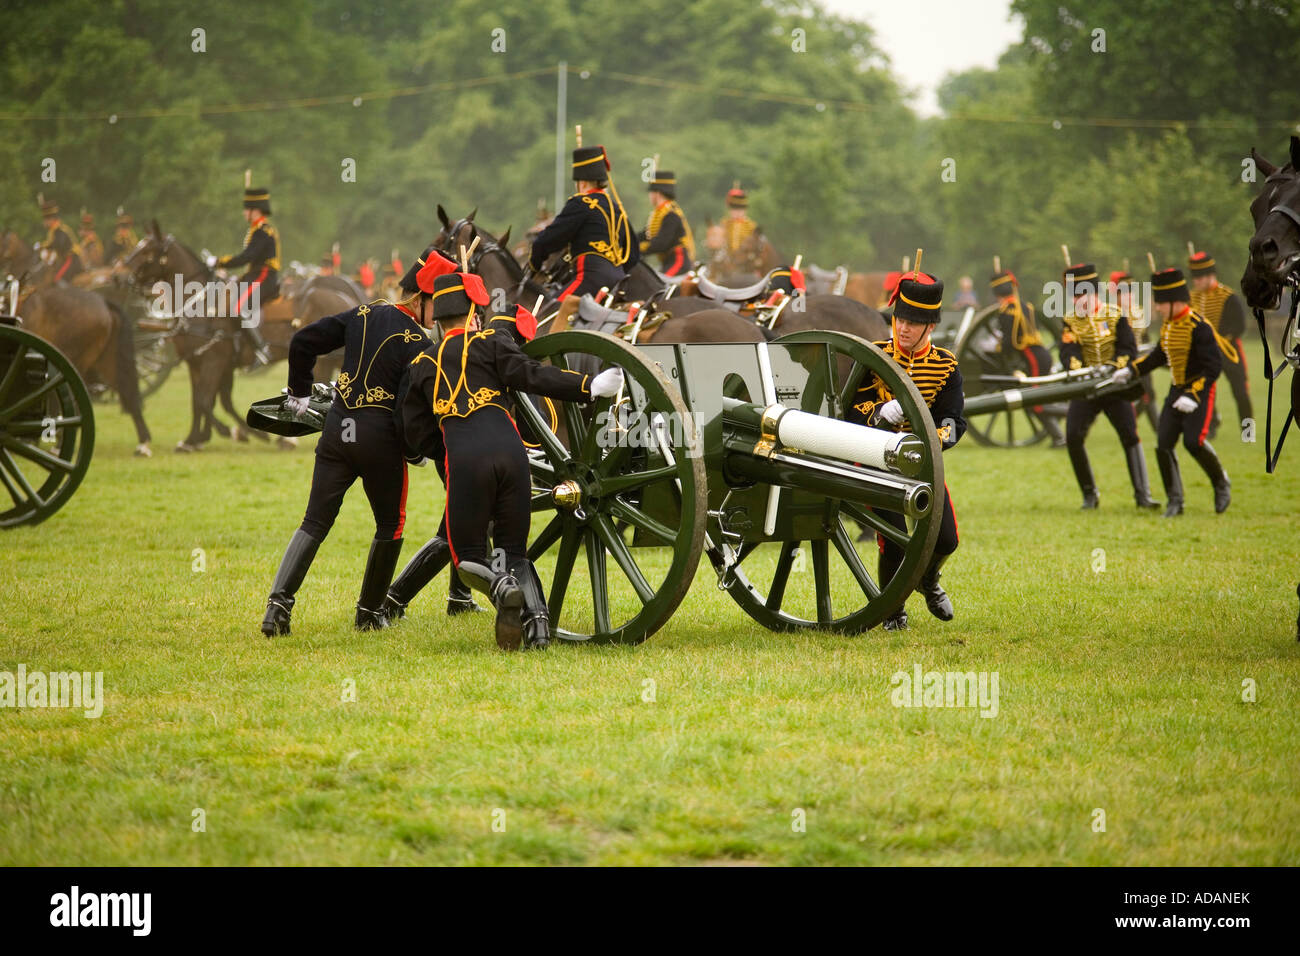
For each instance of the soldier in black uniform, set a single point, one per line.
(668, 234)
(593, 226)
(1099, 334)
(92, 248)
(1017, 321)
(261, 254)
(61, 243)
(1189, 347)
(436, 552)
(1226, 313)
(917, 300)
(360, 439)
(124, 237)
(457, 390)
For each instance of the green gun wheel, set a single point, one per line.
(589, 487)
(771, 580)
(47, 427)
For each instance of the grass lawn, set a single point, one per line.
(1120, 674)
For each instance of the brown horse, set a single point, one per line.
(210, 345)
(753, 258)
(93, 332)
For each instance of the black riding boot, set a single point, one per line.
(1173, 480)
(298, 557)
(419, 571)
(1083, 475)
(379, 572)
(506, 596)
(1208, 459)
(261, 351)
(1137, 474)
(536, 615)
(460, 599)
(936, 599)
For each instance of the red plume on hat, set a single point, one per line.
(435, 265)
(474, 288)
(526, 323)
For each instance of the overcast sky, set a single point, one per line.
(927, 39)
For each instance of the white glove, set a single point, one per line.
(212, 262)
(607, 383)
(1185, 404)
(891, 412)
(1123, 376)
(297, 405)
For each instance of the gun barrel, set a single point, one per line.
(1013, 398)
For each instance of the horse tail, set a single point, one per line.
(128, 378)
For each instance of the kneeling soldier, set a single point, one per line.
(1189, 347)
(457, 392)
(916, 301)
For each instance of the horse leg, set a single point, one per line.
(192, 441)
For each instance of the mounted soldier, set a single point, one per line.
(60, 246)
(668, 234)
(917, 300)
(737, 226)
(92, 249)
(1224, 310)
(1099, 334)
(261, 256)
(592, 226)
(124, 237)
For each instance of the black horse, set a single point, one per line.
(1274, 264)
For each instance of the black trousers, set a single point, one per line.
(487, 482)
(891, 555)
(593, 274)
(1084, 411)
(358, 444)
(1192, 427)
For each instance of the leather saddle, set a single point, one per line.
(593, 317)
(279, 309)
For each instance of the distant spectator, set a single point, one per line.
(966, 294)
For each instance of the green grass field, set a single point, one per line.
(1121, 690)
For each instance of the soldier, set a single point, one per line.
(261, 254)
(92, 249)
(1017, 323)
(934, 370)
(1120, 288)
(593, 226)
(60, 244)
(668, 234)
(456, 394)
(436, 553)
(360, 439)
(1097, 334)
(327, 265)
(124, 237)
(737, 226)
(1189, 347)
(1226, 313)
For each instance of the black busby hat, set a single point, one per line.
(1202, 264)
(918, 298)
(454, 293)
(124, 217)
(1170, 286)
(1003, 282)
(49, 208)
(664, 182)
(258, 198)
(410, 283)
(1083, 276)
(736, 198)
(590, 164)
(87, 219)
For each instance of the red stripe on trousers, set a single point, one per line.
(1033, 369)
(577, 280)
(1209, 413)
(249, 291)
(679, 262)
(401, 512)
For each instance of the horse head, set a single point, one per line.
(1275, 246)
(159, 258)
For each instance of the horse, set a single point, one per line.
(209, 345)
(1275, 262)
(92, 331)
(754, 257)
